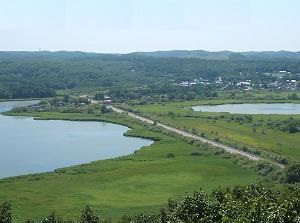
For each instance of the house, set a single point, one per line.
(273, 85)
(243, 83)
(107, 100)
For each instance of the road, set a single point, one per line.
(228, 149)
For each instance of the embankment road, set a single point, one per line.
(226, 148)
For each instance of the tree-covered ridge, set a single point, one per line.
(224, 55)
(253, 203)
(39, 74)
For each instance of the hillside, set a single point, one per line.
(40, 74)
(224, 55)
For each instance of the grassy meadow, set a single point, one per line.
(220, 125)
(142, 181)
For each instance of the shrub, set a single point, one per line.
(292, 173)
(89, 216)
(52, 218)
(170, 155)
(5, 213)
(195, 153)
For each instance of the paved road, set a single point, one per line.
(190, 135)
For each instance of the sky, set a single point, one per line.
(122, 26)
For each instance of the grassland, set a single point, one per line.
(266, 96)
(143, 181)
(220, 125)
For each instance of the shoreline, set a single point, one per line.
(127, 133)
(23, 99)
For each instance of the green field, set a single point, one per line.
(143, 181)
(218, 125)
(257, 96)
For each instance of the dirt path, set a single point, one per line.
(228, 149)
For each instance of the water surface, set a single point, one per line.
(278, 108)
(8, 105)
(31, 146)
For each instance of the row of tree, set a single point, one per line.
(22, 90)
(164, 92)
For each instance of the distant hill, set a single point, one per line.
(182, 54)
(40, 74)
(51, 55)
(272, 55)
(223, 55)
(201, 54)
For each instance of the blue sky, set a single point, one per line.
(148, 25)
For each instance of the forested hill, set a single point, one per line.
(39, 74)
(199, 54)
(224, 55)
(50, 55)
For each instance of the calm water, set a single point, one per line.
(30, 146)
(286, 109)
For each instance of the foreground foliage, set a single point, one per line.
(253, 203)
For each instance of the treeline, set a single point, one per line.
(21, 90)
(240, 204)
(46, 72)
(161, 93)
(65, 104)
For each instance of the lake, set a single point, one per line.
(34, 146)
(278, 108)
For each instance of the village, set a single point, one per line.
(279, 80)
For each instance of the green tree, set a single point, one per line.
(67, 98)
(52, 218)
(89, 216)
(103, 109)
(5, 213)
(292, 173)
(99, 96)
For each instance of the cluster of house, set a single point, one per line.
(285, 84)
(106, 100)
(203, 81)
(281, 83)
(246, 85)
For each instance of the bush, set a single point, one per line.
(292, 173)
(219, 152)
(5, 213)
(89, 216)
(170, 155)
(52, 218)
(195, 153)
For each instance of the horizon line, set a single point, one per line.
(152, 51)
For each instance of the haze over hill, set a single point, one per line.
(200, 54)
(223, 55)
